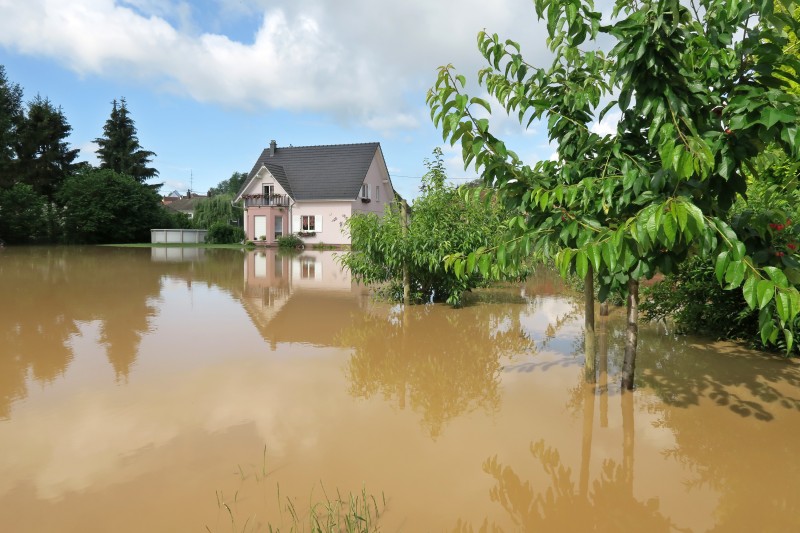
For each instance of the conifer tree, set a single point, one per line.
(119, 149)
(10, 115)
(44, 158)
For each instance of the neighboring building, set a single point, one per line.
(171, 197)
(183, 204)
(313, 190)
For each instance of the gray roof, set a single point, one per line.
(185, 205)
(329, 172)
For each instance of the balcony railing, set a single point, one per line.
(259, 200)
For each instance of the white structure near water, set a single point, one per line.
(176, 236)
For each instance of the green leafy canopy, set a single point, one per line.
(702, 88)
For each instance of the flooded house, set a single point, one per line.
(312, 191)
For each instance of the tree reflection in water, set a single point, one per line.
(48, 292)
(608, 504)
(442, 362)
(720, 400)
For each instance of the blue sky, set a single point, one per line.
(209, 83)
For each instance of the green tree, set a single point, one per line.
(103, 206)
(229, 186)
(11, 114)
(119, 149)
(441, 223)
(44, 158)
(216, 209)
(22, 214)
(701, 92)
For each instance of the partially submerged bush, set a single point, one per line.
(222, 233)
(289, 241)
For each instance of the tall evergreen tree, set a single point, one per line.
(44, 158)
(10, 116)
(120, 150)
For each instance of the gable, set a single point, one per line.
(265, 174)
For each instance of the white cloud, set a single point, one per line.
(358, 60)
(607, 126)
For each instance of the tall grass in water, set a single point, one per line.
(352, 513)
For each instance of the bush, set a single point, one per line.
(222, 233)
(289, 241)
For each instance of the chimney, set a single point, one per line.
(272, 146)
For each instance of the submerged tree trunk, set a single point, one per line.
(628, 440)
(604, 308)
(588, 326)
(629, 361)
(602, 348)
(406, 276)
(586, 445)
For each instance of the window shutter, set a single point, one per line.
(318, 222)
(295, 224)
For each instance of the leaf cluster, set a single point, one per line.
(442, 223)
(700, 93)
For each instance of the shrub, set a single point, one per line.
(289, 241)
(222, 233)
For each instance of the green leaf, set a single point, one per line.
(670, 229)
(610, 255)
(581, 264)
(483, 265)
(734, 275)
(721, 265)
(680, 214)
(594, 253)
(776, 275)
(789, 336)
(794, 302)
(783, 305)
(471, 258)
(481, 102)
(765, 292)
(750, 293)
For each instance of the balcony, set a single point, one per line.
(261, 200)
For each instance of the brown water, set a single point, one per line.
(142, 389)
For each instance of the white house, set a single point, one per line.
(313, 190)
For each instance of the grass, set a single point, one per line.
(350, 513)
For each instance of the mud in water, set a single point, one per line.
(197, 389)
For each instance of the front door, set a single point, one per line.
(260, 228)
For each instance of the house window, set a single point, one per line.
(269, 190)
(364, 191)
(307, 223)
(377, 193)
(278, 227)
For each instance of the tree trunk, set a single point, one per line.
(588, 326)
(604, 308)
(629, 361)
(406, 275)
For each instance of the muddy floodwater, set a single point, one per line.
(204, 390)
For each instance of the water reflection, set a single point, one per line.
(442, 363)
(128, 381)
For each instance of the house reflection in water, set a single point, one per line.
(305, 298)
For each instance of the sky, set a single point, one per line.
(210, 82)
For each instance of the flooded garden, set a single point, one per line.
(181, 389)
